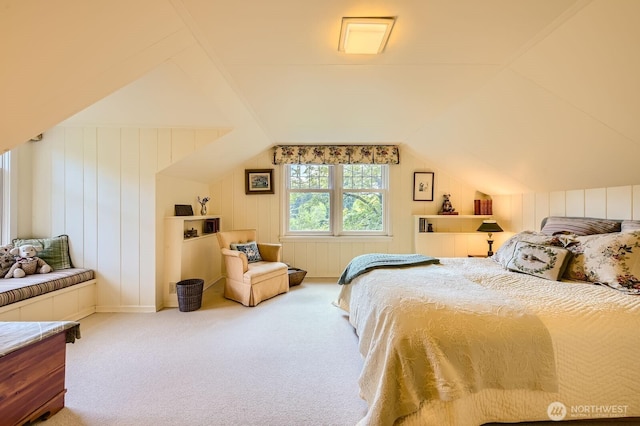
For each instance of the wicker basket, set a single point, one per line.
(189, 294)
(296, 276)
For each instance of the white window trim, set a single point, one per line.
(9, 182)
(335, 231)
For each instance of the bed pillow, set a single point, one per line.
(504, 254)
(543, 261)
(250, 249)
(630, 225)
(579, 226)
(55, 251)
(614, 260)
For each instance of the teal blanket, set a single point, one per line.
(366, 262)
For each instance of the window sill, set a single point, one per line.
(336, 239)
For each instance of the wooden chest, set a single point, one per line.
(32, 381)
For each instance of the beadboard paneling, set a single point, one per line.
(130, 216)
(98, 185)
(109, 207)
(87, 253)
(621, 202)
(575, 203)
(595, 202)
(328, 258)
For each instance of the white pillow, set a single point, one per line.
(548, 262)
(504, 254)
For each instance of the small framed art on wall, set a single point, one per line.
(423, 186)
(259, 181)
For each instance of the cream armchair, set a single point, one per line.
(252, 282)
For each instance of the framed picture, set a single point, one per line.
(183, 209)
(423, 186)
(259, 181)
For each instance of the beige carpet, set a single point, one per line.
(291, 360)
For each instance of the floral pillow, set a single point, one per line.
(250, 249)
(505, 253)
(609, 259)
(548, 262)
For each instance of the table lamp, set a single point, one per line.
(490, 226)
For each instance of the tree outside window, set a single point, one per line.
(344, 199)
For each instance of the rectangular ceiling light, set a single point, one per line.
(365, 36)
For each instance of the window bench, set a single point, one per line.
(61, 295)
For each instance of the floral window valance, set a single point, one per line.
(336, 154)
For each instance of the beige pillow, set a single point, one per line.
(609, 259)
(548, 262)
(505, 253)
(630, 225)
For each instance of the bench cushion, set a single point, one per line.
(16, 289)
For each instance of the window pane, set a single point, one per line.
(309, 176)
(309, 211)
(362, 211)
(362, 176)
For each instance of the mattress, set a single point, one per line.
(594, 341)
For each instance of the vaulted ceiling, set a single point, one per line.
(508, 95)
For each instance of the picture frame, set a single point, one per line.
(183, 209)
(258, 181)
(423, 186)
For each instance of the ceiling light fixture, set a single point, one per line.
(365, 36)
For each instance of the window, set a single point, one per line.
(348, 199)
(8, 196)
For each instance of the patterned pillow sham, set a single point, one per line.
(609, 259)
(630, 225)
(54, 251)
(504, 254)
(250, 249)
(579, 226)
(543, 261)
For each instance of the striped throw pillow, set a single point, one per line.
(630, 225)
(579, 226)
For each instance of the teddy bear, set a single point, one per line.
(6, 259)
(26, 262)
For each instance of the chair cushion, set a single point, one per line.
(260, 271)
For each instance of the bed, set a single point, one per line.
(547, 329)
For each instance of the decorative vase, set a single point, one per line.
(203, 209)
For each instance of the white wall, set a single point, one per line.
(98, 185)
(328, 258)
(101, 187)
(515, 213)
(526, 211)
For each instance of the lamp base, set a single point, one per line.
(490, 252)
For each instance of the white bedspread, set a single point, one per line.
(435, 335)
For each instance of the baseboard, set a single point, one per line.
(127, 309)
